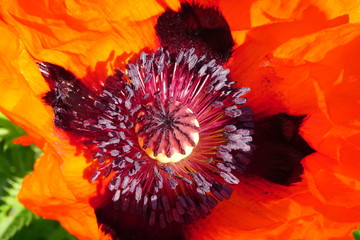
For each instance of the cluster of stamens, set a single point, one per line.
(171, 133)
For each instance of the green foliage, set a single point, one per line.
(15, 160)
(16, 222)
(42, 229)
(357, 234)
(13, 216)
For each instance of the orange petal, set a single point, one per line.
(53, 199)
(321, 173)
(78, 35)
(279, 72)
(264, 11)
(22, 85)
(316, 47)
(250, 13)
(261, 210)
(255, 205)
(28, 140)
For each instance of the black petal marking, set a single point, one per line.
(127, 226)
(280, 149)
(205, 29)
(72, 102)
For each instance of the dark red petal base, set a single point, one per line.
(194, 26)
(131, 226)
(279, 149)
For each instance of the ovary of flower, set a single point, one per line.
(176, 155)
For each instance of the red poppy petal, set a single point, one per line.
(290, 68)
(20, 99)
(261, 210)
(22, 85)
(283, 82)
(252, 13)
(79, 35)
(53, 199)
(256, 210)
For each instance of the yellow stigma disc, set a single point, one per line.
(180, 139)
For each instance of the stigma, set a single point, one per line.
(167, 131)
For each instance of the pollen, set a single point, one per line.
(167, 132)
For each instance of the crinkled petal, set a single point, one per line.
(300, 66)
(258, 210)
(78, 35)
(21, 85)
(318, 75)
(284, 70)
(46, 192)
(56, 188)
(250, 13)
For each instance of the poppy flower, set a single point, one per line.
(61, 80)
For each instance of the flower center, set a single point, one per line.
(157, 106)
(167, 132)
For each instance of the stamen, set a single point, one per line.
(181, 111)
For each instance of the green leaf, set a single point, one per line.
(13, 215)
(18, 223)
(15, 162)
(8, 130)
(44, 230)
(356, 234)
